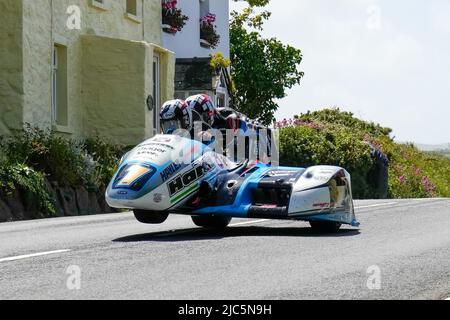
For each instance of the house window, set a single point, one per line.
(59, 86)
(132, 7)
(204, 8)
(156, 92)
(221, 100)
(99, 4)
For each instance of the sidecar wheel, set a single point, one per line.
(150, 217)
(217, 222)
(325, 226)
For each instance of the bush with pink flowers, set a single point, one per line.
(334, 137)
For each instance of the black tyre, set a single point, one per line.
(325, 226)
(150, 217)
(211, 221)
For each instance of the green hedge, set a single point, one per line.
(333, 137)
(306, 146)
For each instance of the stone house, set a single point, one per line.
(84, 67)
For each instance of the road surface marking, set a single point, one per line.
(33, 255)
(377, 205)
(248, 222)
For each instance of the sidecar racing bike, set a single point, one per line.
(170, 174)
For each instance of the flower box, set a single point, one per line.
(208, 34)
(173, 20)
(205, 43)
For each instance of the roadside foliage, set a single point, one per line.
(40, 172)
(334, 137)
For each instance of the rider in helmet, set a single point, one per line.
(175, 115)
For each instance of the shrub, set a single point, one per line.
(106, 157)
(333, 137)
(33, 155)
(61, 159)
(29, 183)
(416, 174)
(90, 163)
(306, 146)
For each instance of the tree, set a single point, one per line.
(262, 69)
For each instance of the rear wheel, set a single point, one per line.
(150, 217)
(325, 226)
(211, 221)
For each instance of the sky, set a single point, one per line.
(386, 61)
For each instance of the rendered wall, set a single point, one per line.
(26, 57)
(37, 62)
(116, 81)
(11, 76)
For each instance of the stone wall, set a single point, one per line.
(69, 201)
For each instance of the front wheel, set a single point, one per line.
(150, 217)
(325, 226)
(211, 221)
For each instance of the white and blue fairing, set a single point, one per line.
(173, 174)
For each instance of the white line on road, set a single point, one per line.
(33, 255)
(376, 205)
(248, 222)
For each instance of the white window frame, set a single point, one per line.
(131, 16)
(99, 4)
(55, 84)
(222, 92)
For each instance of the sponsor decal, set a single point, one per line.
(168, 172)
(157, 197)
(157, 144)
(275, 173)
(182, 181)
(162, 139)
(321, 205)
(150, 150)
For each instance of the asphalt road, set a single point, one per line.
(402, 250)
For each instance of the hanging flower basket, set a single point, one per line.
(205, 44)
(173, 19)
(209, 38)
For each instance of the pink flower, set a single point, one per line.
(402, 179)
(210, 18)
(169, 4)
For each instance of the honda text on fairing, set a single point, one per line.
(176, 174)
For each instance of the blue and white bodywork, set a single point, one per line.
(169, 174)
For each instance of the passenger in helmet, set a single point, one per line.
(174, 115)
(202, 110)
